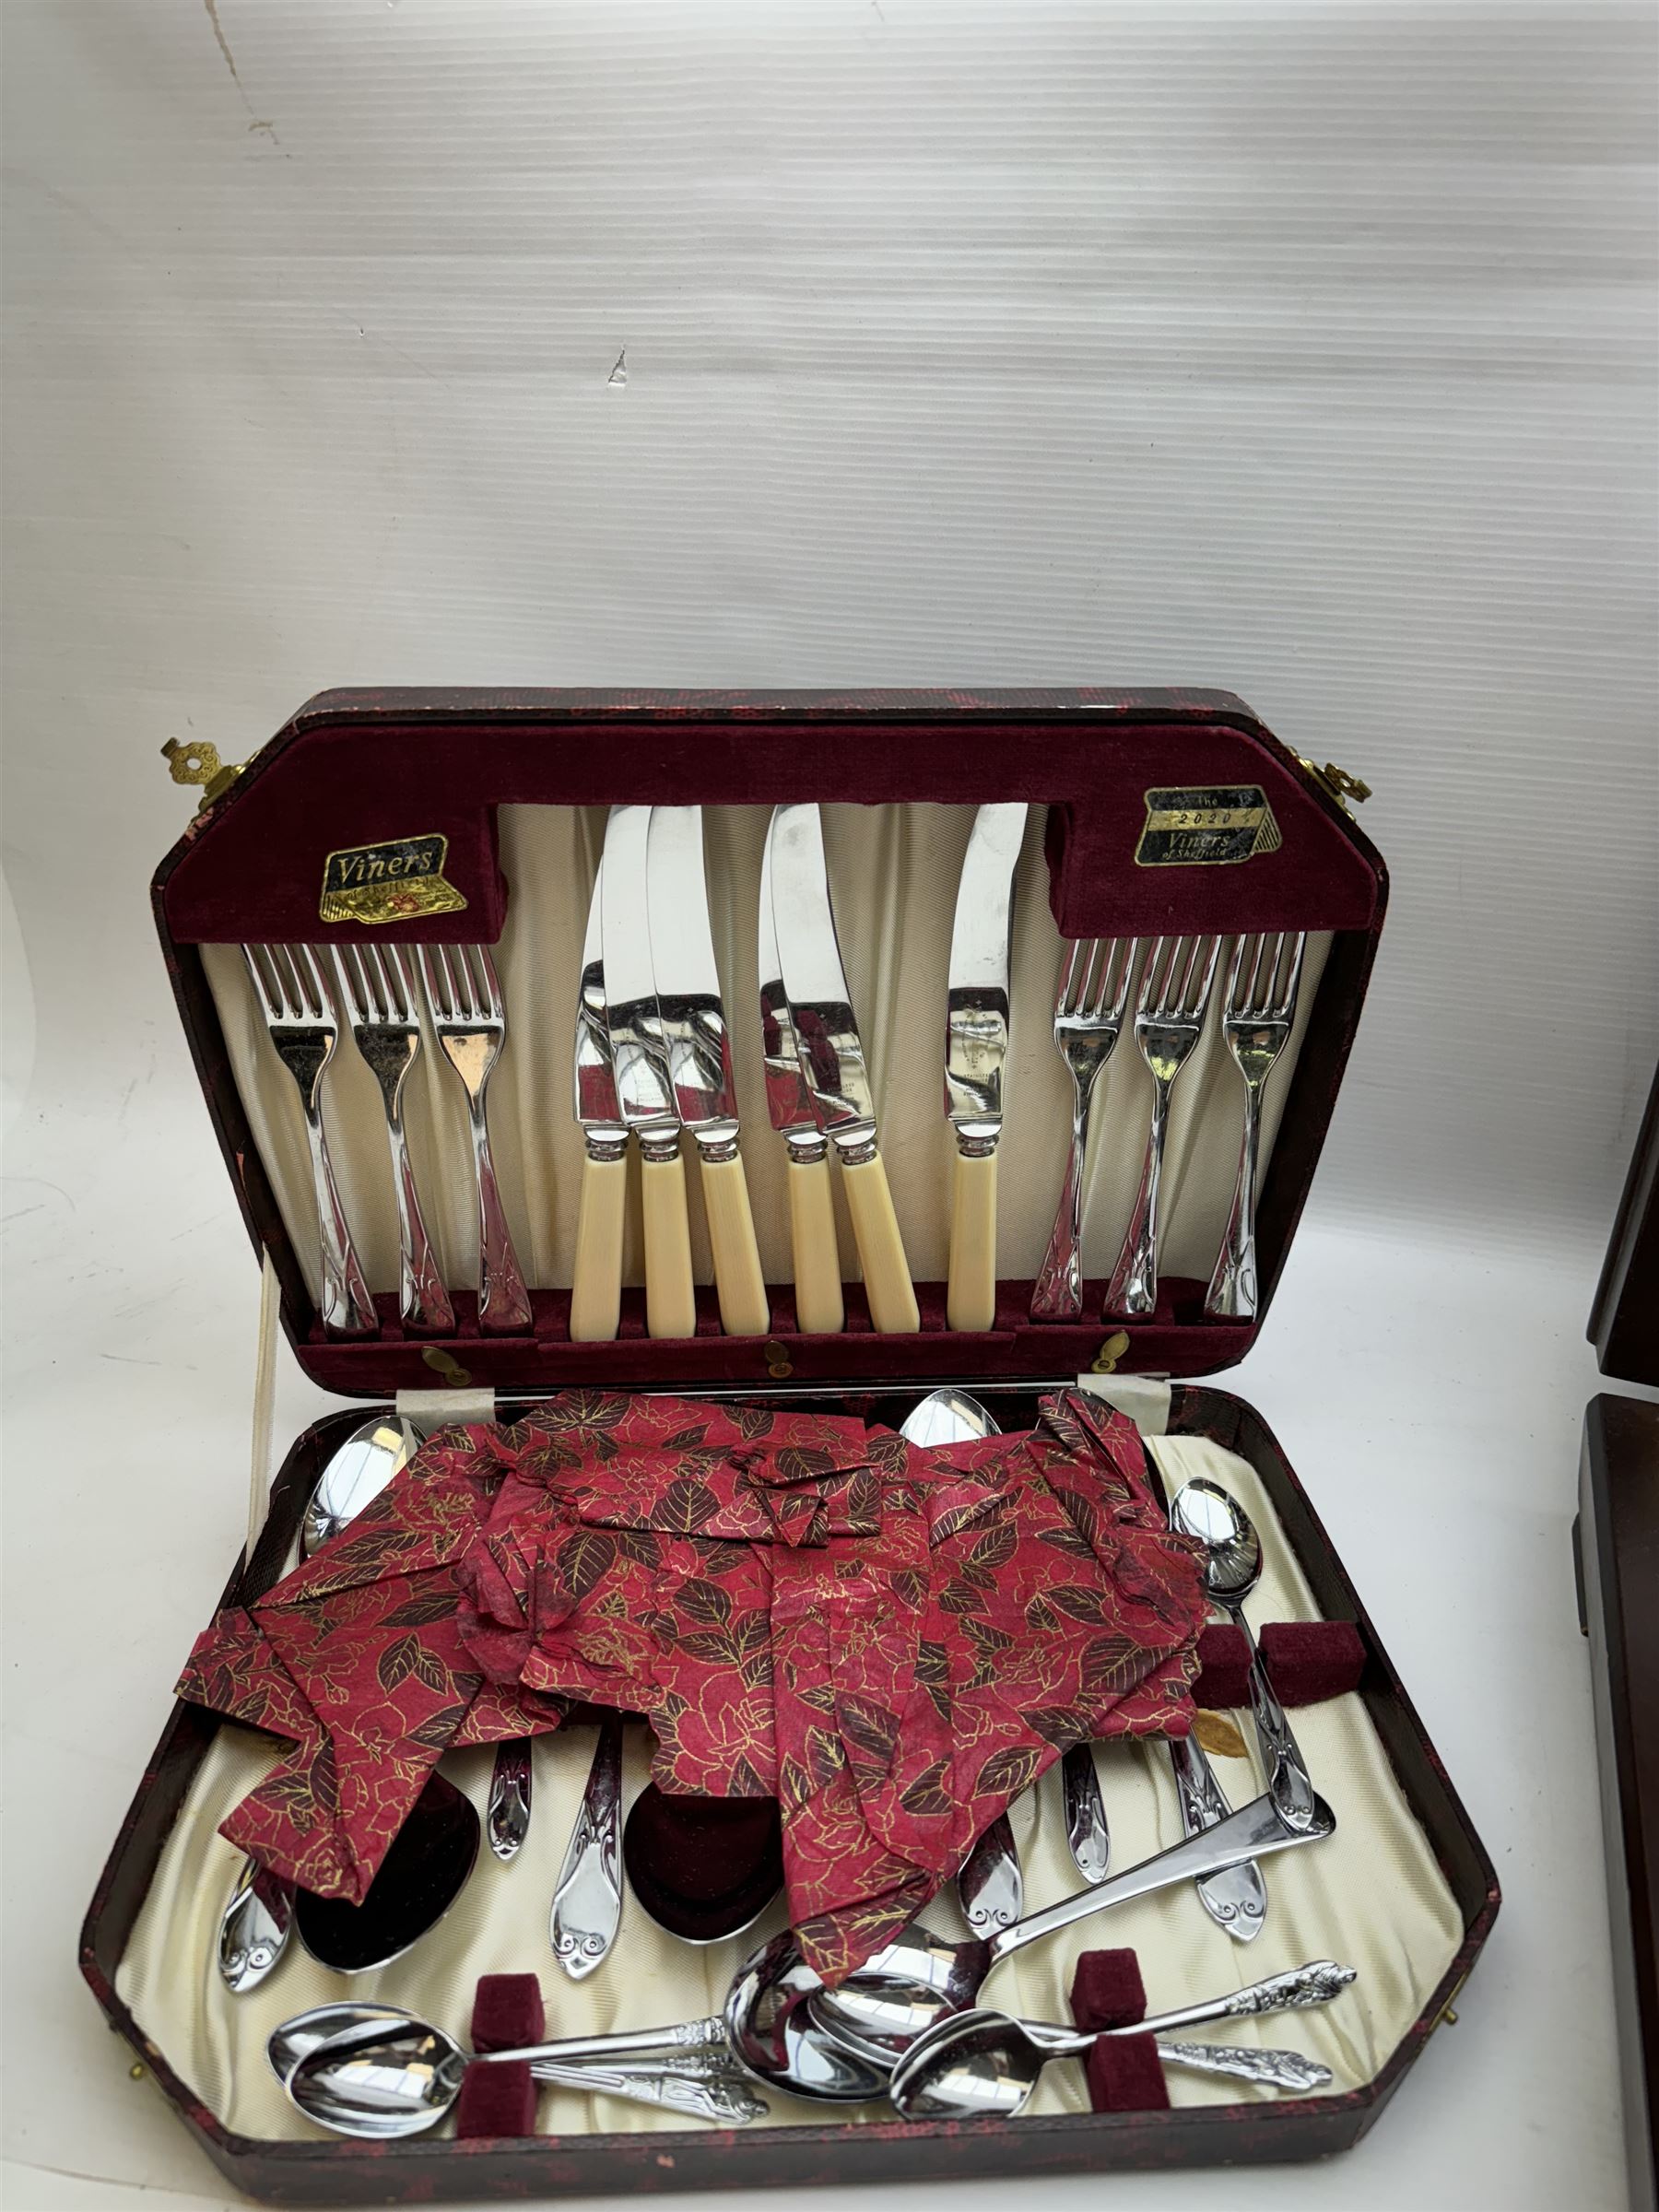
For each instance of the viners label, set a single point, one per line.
(401, 880)
(1206, 826)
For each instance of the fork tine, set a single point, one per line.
(1150, 993)
(1284, 1004)
(287, 981)
(1131, 950)
(346, 959)
(1207, 981)
(493, 1002)
(1235, 969)
(1068, 968)
(389, 981)
(319, 999)
(1099, 979)
(258, 958)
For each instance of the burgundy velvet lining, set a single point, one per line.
(1178, 1339)
(500, 2100)
(364, 768)
(1124, 2072)
(1307, 1661)
(703, 1867)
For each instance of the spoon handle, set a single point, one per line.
(1289, 1786)
(1250, 1833)
(726, 2103)
(1274, 2069)
(1316, 1984)
(685, 2035)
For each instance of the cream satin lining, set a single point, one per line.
(894, 872)
(1372, 1896)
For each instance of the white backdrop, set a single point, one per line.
(1306, 349)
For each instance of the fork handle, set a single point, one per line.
(347, 1309)
(1133, 1285)
(424, 1304)
(1232, 1290)
(503, 1301)
(1059, 1292)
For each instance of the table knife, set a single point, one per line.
(976, 1047)
(597, 1279)
(819, 1310)
(644, 1085)
(700, 1059)
(832, 1058)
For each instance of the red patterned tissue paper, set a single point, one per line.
(893, 1642)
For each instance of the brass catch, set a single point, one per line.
(1338, 782)
(778, 1362)
(198, 762)
(447, 1370)
(1105, 1361)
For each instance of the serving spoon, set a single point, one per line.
(984, 2064)
(389, 2076)
(919, 1978)
(1233, 1568)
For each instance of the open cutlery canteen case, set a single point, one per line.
(478, 817)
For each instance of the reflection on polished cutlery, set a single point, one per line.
(1235, 1899)
(254, 1931)
(645, 1082)
(378, 991)
(1262, 979)
(1233, 1568)
(919, 1978)
(298, 1015)
(700, 1059)
(419, 1878)
(469, 1020)
(795, 1115)
(832, 1058)
(587, 1903)
(507, 1817)
(984, 2064)
(976, 1047)
(356, 1474)
(1089, 1013)
(596, 1273)
(387, 2077)
(990, 1888)
(1169, 1021)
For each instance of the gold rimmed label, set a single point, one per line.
(401, 880)
(1206, 826)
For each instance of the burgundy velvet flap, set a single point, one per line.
(500, 2100)
(1124, 2072)
(1307, 1661)
(359, 770)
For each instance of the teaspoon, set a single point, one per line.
(919, 1978)
(388, 2078)
(1233, 1568)
(984, 2064)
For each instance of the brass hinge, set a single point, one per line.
(198, 762)
(1338, 782)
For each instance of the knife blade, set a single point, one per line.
(819, 1309)
(700, 1058)
(976, 1047)
(645, 1084)
(832, 1058)
(596, 1279)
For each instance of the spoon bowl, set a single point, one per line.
(1232, 1550)
(355, 1475)
(290, 2040)
(419, 1878)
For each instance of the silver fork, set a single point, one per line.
(1255, 1024)
(378, 991)
(1089, 1013)
(469, 1020)
(299, 1014)
(1168, 1023)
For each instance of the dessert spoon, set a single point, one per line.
(1233, 1568)
(920, 1978)
(983, 2064)
(384, 2077)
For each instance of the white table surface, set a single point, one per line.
(1299, 345)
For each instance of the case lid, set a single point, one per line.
(400, 815)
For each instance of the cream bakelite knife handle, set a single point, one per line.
(670, 1300)
(597, 1279)
(881, 1249)
(737, 1278)
(971, 1298)
(819, 1309)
